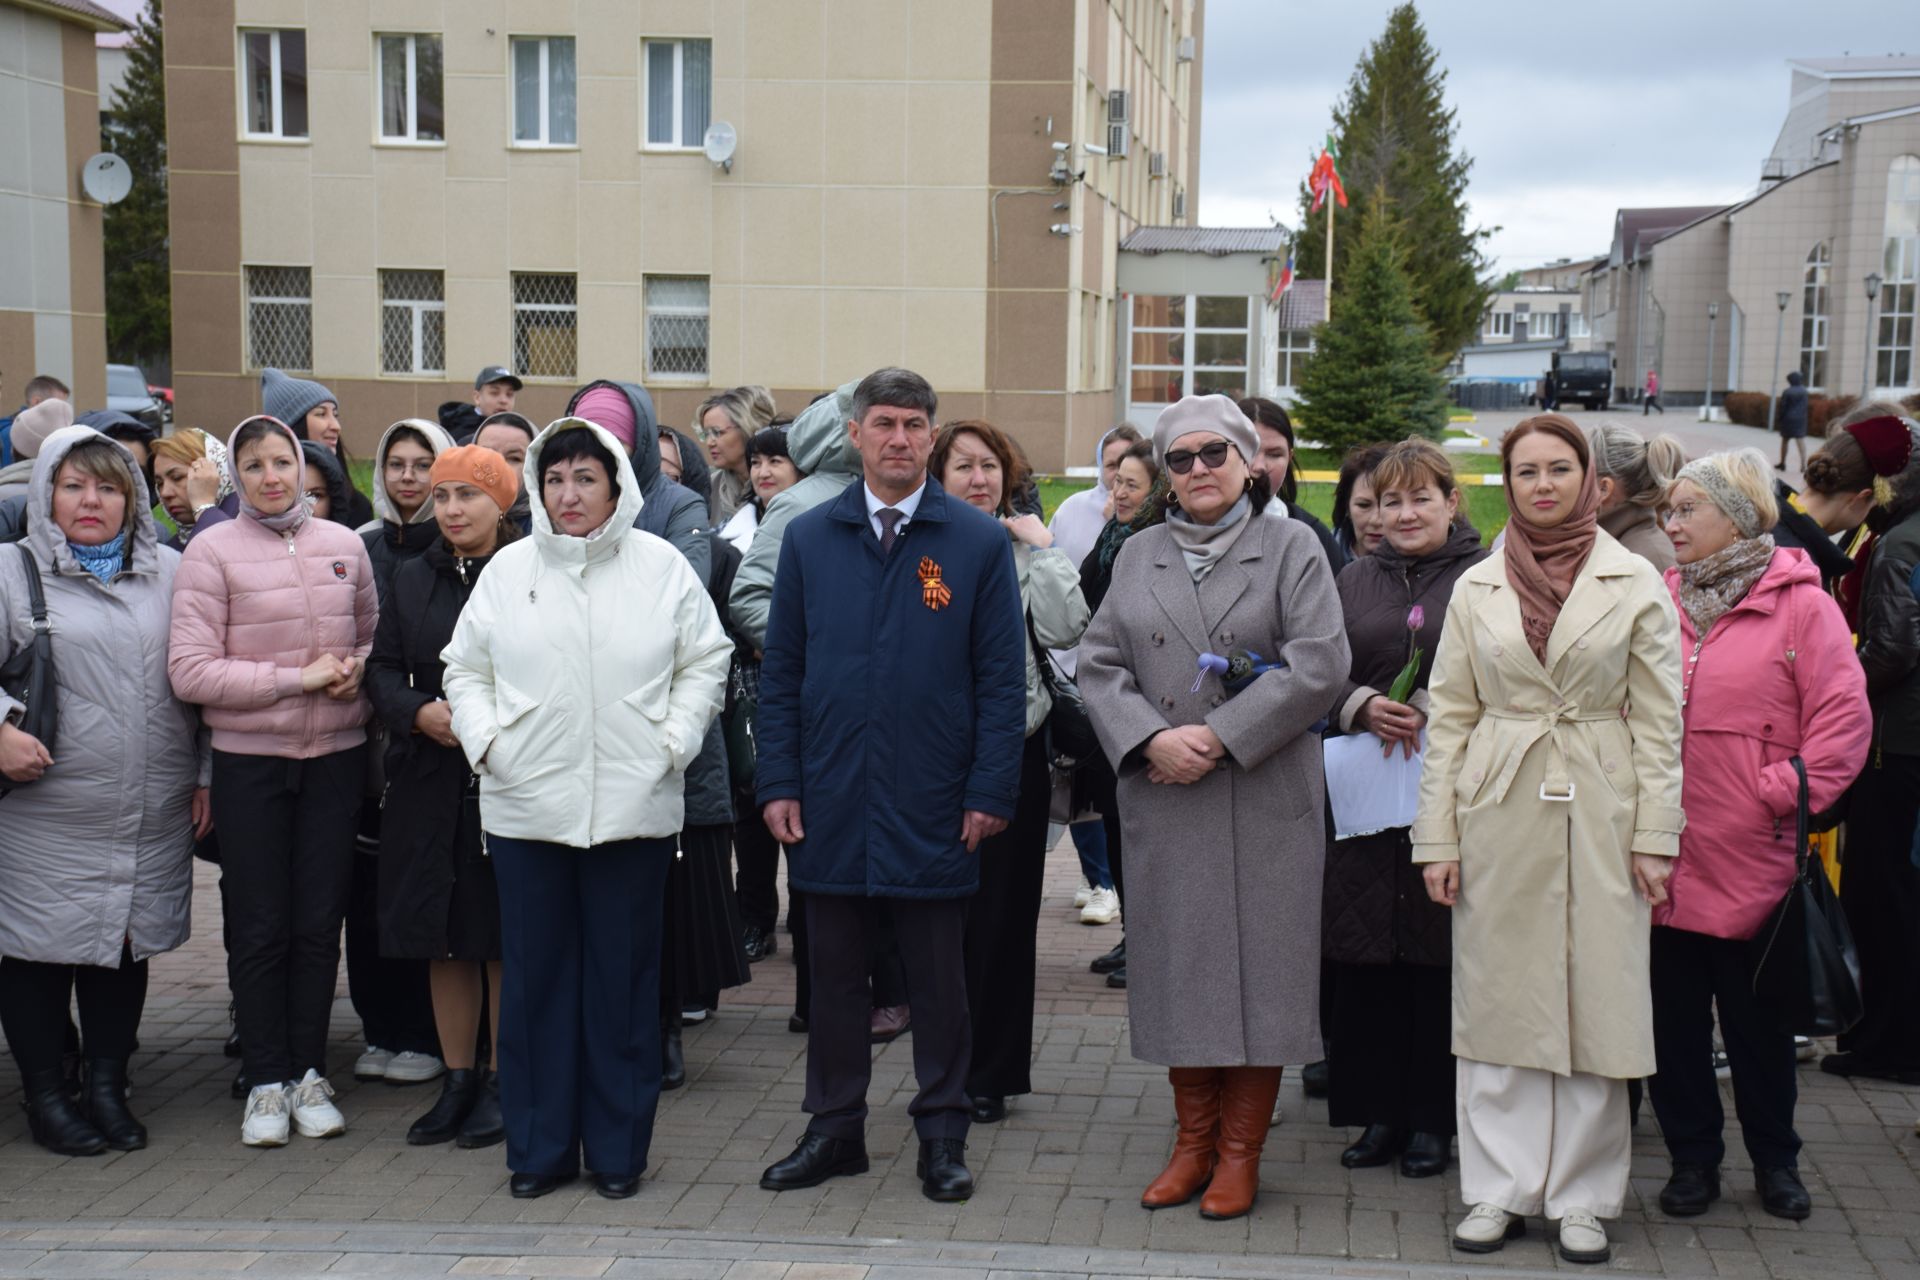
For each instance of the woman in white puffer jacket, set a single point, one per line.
(582, 676)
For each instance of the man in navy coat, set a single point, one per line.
(891, 720)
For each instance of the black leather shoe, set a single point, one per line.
(758, 943)
(1313, 1079)
(1690, 1189)
(1118, 978)
(616, 1186)
(1114, 959)
(531, 1186)
(814, 1160)
(797, 1024)
(1378, 1145)
(673, 1059)
(106, 1105)
(942, 1169)
(241, 1086)
(484, 1126)
(1425, 1156)
(459, 1089)
(54, 1121)
(989, 1110)
(1782, 1194)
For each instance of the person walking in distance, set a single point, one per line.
(883, 799)
(1652, 400)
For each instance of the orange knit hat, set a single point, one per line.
(480, 467)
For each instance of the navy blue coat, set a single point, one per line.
(885, 717)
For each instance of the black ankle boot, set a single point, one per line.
(673, 1059)
(107, 1105)
(458, 1093)
(54, 1121)
(484, 1127)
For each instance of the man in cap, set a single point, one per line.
(494, 388)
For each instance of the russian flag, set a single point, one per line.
(1285, 282)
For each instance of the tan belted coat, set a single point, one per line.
(1541, 782)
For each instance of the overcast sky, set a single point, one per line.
(1569, 111)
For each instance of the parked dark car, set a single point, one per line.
(1586, 376)
(129, 393)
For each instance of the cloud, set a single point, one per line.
(1568, 112)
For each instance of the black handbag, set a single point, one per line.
(1071, 741)
(1806, 972)
(743, 752)
(28, 675)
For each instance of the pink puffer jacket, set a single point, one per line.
(251, 607)
(1776, 678)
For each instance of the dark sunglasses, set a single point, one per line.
(1180, 461)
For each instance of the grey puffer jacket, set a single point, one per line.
(100, 849)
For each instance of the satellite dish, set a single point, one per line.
(720, 143)
(106, 178)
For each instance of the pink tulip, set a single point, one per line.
(1416, 618)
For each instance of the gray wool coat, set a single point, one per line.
(1223, 876)
(101, 847)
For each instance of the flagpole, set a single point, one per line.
(1327, 293)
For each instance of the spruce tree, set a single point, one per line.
(1372, 377)
(1394, 132)
(139, 291)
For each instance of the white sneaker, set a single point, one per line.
(1102, 908)
(1080, 895)
(314, 1114)
(1804, 1050)
(414, 1068)
(1487, 1228)
(372, 1063)
(265, 1123)
(1582, 1238)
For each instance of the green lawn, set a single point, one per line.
(1486, 504)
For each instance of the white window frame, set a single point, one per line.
(649, 310)
(417, 309)
(1290, 356)
(1577, 325)
(279, 133)
(1189, 331)
(1495, 329)
(546, 87)
(679, 44)
(251, 300)
(517, 307)
(411, 137)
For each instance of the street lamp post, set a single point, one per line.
(1866, 371)
(1713, 325)
(1781, 298)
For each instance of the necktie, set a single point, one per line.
(890, 518)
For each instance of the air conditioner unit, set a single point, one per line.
(1186, 49)
(1120, 106)
(1179, 204)
(1117, 140)
(1157, 165)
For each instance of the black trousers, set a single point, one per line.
(1105, 789)
(1003, 923)
(579, 1064)
(1692, 976)
(1390, 1047)
(930, 935)
(1880, 892)
(756, 860)
(34, 999)
(286, 857)
(390, 995)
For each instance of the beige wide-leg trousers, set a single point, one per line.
(1534, 1142)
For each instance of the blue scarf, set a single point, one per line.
(105, 560)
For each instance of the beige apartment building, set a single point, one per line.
(389, 199)
(1818, 270)
(53, 309)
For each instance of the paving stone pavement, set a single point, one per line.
(1059, 1180)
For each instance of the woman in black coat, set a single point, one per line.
(1388, 946)
(437, 900)
(1276, 462)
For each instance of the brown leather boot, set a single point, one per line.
(1196, 1103)
(1246, 1107)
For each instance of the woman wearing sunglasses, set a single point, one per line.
(1219, 791)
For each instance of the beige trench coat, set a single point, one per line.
(1549, 934)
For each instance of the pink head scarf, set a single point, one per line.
(609, 408)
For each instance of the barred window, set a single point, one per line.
(676, 326)
(545, 326)
(413, 322)
(280, 318)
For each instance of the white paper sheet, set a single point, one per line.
(1370, 792)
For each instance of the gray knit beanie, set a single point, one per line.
(291, 399)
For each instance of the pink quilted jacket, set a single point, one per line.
(251, 607)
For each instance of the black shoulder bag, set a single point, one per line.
(28, 675)
(1071, 741)
(1806, 972)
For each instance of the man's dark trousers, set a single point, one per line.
(839, 1052)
